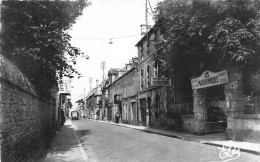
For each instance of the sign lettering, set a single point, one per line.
(208, 79)
(64, 86)
(161, 82)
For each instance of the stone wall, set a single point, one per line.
(129, 110)
(189, 123)
(158, 107)
(247, 128)
(27, 122)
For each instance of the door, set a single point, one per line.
(148, 114)
(143, 111)
(214, 115)
(134, 110)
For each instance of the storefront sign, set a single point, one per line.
(208, 79)
(65, 87)
(65, 81)
(161, 82)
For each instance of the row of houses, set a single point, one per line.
(134, 90)
(143, 96)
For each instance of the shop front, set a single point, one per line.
(210, 103)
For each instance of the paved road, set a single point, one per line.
(109, 143)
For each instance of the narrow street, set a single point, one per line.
(110, 143)
(180, 79)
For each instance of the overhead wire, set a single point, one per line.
(151, 8)
(107, 38)
(111, 38)
(126, 36)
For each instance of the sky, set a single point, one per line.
(119, 20)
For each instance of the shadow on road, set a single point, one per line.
(65, 144)
(83, 132)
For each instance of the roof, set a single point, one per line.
(125, 74)
(79, 101)
(115, 70)
(154, 28)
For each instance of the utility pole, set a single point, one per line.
(146, 26)
(146, 23)
(102, 67)
(90, 81)
(146, 16)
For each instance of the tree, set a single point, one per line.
(204, 35)
(35, 38)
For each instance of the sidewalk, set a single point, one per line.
(218, 139)
(71, 150)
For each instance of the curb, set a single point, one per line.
(167, 135)
(148, 131)
(83, 153)
(241, 149)
(178, 137)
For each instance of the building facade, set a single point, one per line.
(113, 93)
(94, 102)
(152, 97)
(128, 84)
(216, 101)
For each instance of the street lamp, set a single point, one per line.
(110, 42)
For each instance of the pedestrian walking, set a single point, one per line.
(117, 116)
(95, 117)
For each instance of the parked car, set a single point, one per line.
(74, 115)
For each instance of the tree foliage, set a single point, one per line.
(35, 37)
(206, 34)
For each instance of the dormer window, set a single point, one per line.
(141, 49)
(142, 52)
(155, 36)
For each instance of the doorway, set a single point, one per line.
(149, 111)
(135, 114)
(214, 107)
(143, 111)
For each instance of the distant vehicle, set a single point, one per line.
(74, 115)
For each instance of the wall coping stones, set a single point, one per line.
(248, 116)
(10, 73)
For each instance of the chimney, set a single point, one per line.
(135, 59)
(129, 65)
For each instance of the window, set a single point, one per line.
(155, 69)
(148, 76)
(142, 52)
(126, 89)
(142, 79)
(148, 47)
(155, 36)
